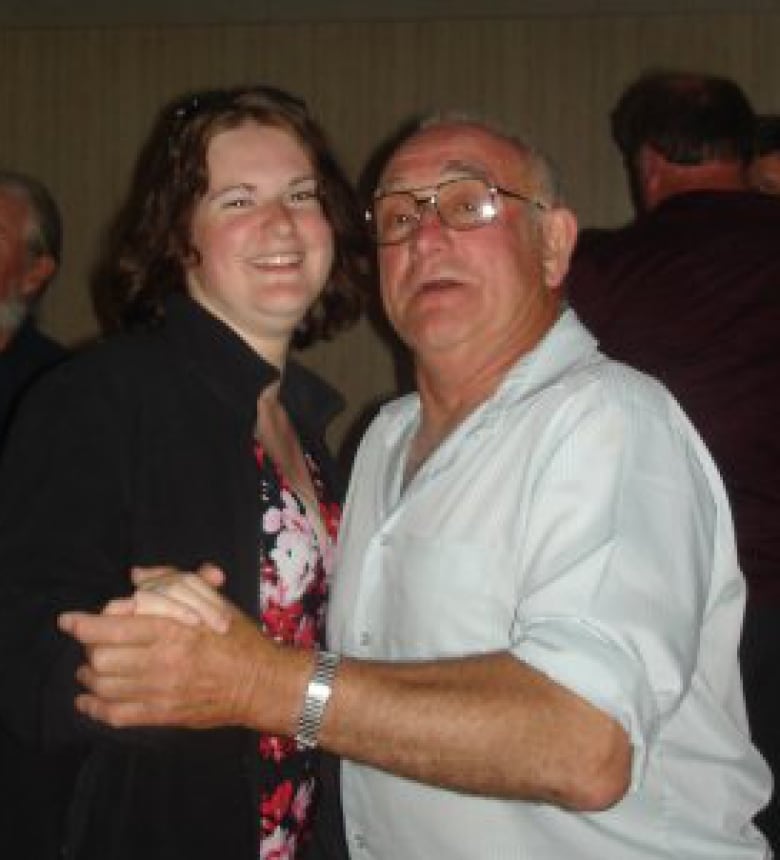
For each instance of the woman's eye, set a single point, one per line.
(237, 202)
(303, 196)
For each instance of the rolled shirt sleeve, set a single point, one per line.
(618, 561)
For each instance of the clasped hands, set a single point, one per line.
(177, 653)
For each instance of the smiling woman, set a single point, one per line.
(189, 437)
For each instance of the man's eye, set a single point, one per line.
(467, 205)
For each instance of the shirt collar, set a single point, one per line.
(567, 344)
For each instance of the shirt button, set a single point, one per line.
(365, 638)
(360, 841)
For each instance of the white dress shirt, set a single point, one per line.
(577, 521)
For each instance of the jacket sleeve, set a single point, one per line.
(63, 537)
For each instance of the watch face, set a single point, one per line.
(316, 697)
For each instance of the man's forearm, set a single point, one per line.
(488, 725)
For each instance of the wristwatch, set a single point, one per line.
(317, 695)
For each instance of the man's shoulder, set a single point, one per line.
(31, 350)
(42, 345)
(605, 383)
(685, 214)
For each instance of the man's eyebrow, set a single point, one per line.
(452, 169)
(467, 168)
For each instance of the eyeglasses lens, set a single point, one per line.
(465, 204)
(462, 204)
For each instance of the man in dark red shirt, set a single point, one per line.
(690, 292)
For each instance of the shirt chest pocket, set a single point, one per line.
(439, 598)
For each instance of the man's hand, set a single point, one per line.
(153, 671)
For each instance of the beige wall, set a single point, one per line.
(76, 103)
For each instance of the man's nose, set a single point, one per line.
(429, 224)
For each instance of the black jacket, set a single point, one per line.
(138, 452)
(27, 355)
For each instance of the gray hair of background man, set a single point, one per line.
(45, 228)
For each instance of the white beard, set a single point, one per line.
(13, 312)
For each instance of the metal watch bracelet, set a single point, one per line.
(316, 697)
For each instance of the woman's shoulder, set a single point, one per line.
(105, 373)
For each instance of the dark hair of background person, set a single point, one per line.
(45, 236)
(150, 237)
(688, 118)
(767, 136)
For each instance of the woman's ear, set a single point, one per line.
(559, 233)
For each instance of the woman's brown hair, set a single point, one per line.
(150, 237)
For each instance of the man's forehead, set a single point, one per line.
(441, 152)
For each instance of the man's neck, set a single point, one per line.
(449, 393)
(681, 179)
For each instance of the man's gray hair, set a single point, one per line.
(46, 222)
(542, 169)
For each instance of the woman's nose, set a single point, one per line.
(278, 217)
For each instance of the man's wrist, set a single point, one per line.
(315, 699)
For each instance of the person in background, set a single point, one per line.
(190, 437)
(690, 292)
(764, 170)
(534, 622)
(30, 246)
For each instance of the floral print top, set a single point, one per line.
(293, 582)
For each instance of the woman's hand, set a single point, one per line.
(168, 592)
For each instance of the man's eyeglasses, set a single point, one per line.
(461, 204)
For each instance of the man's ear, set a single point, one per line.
(559, 233)
(38, 273)
(649, 166)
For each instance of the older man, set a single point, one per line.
(30, 240)
(535, 620)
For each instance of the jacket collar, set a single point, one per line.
(237, 374)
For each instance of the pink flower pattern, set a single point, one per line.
(293, 582)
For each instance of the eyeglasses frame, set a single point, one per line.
(432, 201)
